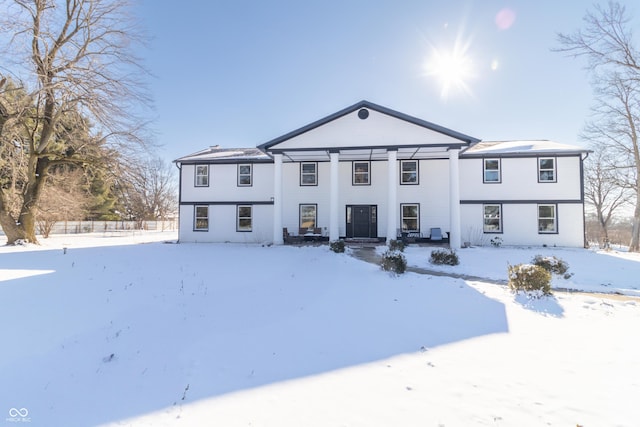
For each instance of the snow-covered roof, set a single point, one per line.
(215, 154)
(532, 147)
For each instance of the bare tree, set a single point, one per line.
(65, 197)
(150, 190)
(603, 192)
(75, 62)
(613, 62)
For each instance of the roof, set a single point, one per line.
(216, 154)
(520, 148)
(464, 139)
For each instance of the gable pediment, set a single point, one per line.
(368, 126)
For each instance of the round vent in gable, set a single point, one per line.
(363, 113)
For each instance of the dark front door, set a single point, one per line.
(362, 221)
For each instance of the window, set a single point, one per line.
(547, 221)
(202, 175)
(492, 219)
(308, 216)
(409, 172)
(245, 219)
(201, 220)
(245, 175)
(361, 173)
(547, 169)
(410, 217)
(492, 170)
(308, 173)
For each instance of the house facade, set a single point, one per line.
(368, 172)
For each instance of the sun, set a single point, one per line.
(453, 68)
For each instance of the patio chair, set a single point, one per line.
(435, 234)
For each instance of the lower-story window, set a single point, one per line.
(547, 219)
(201, 218)
(410, 217)
(308, 216)
(245, 218)
(492, 219)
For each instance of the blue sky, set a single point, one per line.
(240, 73)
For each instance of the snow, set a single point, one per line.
(127, 330)
(527, 146)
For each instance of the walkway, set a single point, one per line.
(368, 254)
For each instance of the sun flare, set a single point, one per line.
(452, 68)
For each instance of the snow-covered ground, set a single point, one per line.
(113, 332)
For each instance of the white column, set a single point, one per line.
(334, 226)
(454, 198)
(277, 200)
(392, 195)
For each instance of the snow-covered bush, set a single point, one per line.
(444, 257)
(529, 278)
(337, 246)
(552, 264)
(393, 261)
(496, 242)
(396, 245)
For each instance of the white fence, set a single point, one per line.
(77, 227)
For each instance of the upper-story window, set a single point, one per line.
(308, 173)
(245, 175)
(409, 172)
(491, 170)
(361, 173)
(202, 175)
(547, 169)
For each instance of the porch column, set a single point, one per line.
(454, 198)
(392, 195)
(334, 225)
(277, 200)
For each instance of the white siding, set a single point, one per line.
(520, 225)
(223, 184)
(520, 180)
(222, 225)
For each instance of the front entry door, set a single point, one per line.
(362, 221)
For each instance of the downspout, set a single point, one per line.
(179, 166)
(584, 212)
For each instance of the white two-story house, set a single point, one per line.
(371, 172)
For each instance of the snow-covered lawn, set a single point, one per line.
(118, 333)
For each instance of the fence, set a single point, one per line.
(78, 227)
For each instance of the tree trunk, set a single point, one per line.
(634, 246)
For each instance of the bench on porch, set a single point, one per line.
(435, 236)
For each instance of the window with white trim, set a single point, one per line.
(245, 218)
(410, 215)
(308, 216)
(492, 219)
(201, 218)
(202, 175)
(361, 175)
(245, 175)
(547, 169)
(491, 169)
(308, 173)
(409, 172)
(547, 219)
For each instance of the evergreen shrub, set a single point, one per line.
(529, 278)
(444, 257)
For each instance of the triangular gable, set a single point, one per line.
(367, 125)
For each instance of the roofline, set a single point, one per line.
(384, 110)
(221, 161)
